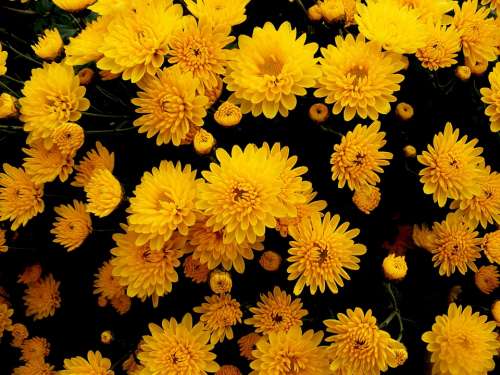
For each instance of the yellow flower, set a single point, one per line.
(271, 68)
(332, 10)
(98, 158)
(35, 348)
(410, 151)
(276, 312)
(169, 106)
(228, 370)
(72, 226)
(7, 106)
(3, 61)
(178, 348)
(194, 270)
(42, 298)
(223, 12)
(247, 345)
(396, 27)
(5, 320)
(495, 311)
(487, 279)
(137, 39)
(20, 197)
(430, 10)
(68, 137)
(366, 198)
(321, 252)
(73, 5)
(441, 47)
(111, 7)
(318, 113)
(220, 282)
(491, 96)
(404, 111)
(84, 47)
(104, 193)
(228, 115)
(30, 274)
(52, 97)
(270, 260)
(358, 345)
(203, 142)
(106, 284)
(462, 342)
(452, 167)
(35, 367)
(358, 77)
(3, 243)
(44, 164)
(106, 337)
(290, 352)
(394, 267)
(121, 303)
(478, 68)
(491, 246)
(357, 159)
(19, 334)
(219, 314)
(49, 45)
(95, 364)
(163, 203)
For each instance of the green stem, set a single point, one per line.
(11, 127)
(103, 115)
(388, 320)
(20, 11)
(110, 96)
(13, 79)
(329, 130)
(396, 310)
(109, 131)
(22, 54)
(302, 6)
(15, 37)
(9, 89)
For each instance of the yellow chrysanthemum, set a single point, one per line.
(5, 320)
(98, 158)
(220, 282)
(491, 96)
(452, 167)
(431, 10)
(321, 251)
(495, 311)
(49, 45)
(359, 346)
(30, 274)
(3, 61)
(487, 279)
(223, 12)
(462, 342)
(52, 97)
(194, 270)
(247, 345)
(366, 198)
(228, 114)
(164, 203)
(491, 246)
(42, 298)
(72, 226)
(169, 106)
(137, 39)
(3, 242)
(290, 352)
(20, 197)
(73, 5)
(19, 334)
(44, 164)
(84, 47)
(276, 312)
(358, 159)
(394, 267)
(35, 367)
(7, 106)
(68, 137)
(35, 348)
(106, 284)
(396, 27)
(104, 193)
(270, 69)
(95, 364)
(228, 370)
(358, 77)
(441, 47)
(219, 314)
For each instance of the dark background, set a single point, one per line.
(77, 325)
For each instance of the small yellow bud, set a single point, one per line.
(495, 311)
(366, 198)
(203, 142)
(86, 75)
(314, 13)
(410, 151)
(102, 301)
(394, 267)
(228, 115)
(478, 68)
(106, 337)
(404, 111)
(220, 282)
(463, 72)
(270, 261)
(487, 278)
(318, 113)
(7, 106)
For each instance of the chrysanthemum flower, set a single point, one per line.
(358, 345)
(394, 267)
(49, 45)
(220, 282)
(94, 364)
(219, 314)
(68, 137)
(42, 298)
(35, 348)
(195, 270)
(19, 334)
(276, 312)
(72, 226)
(30, 274)
(491, 96)
(290, 352)
(3, 243)
(441, 47)
(170, 106)
(247, 345)
(73, 5)
(430, 10)
(106, 284)
(3, 61)
(84, 47)
(178, 348)
(228, 114)
(44, 164)
(35, 367)
(104, 193)
(358, 159)
(487, 279)
(98, 158)
(495, 311)
(137, 39)
(5, 320)
(462, 342)
(358, 77)
(228, 370)
(223, 12)
(490, 245)
(321, 251)
(164, 202)
(121, 303)
(366, 198)
(7, 105)
(452, 167)
(20, 197)
(270, 260)
(52, 97)
(269, 69)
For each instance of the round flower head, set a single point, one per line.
(321, 252)
(121, 303)
(3, 61)
(223, 12)
(247, 345)
(394, 267)
(452, 167)
(3, 243)
(163, 203)
(270, 260)
(84, 47)
(290, 352)
(228, 370)
(94, 364)
(462, 342)
(20, 197)
(203, 142)
(37, 367)
(219, 314)
(441, 47)
(19, 334)
(178, 348)
(52, 97)
(7, 105)
(137, 39)
(318, 113)
(68, 138)
(487, 279)
(5, 318)
(104, 193)
(491, 246)
(49, 45)
(358, 78)
(30, 274)
(269, 69)
(105, 284)
(220, 282)
(357, 159)
(73, 5)
(44, 164)
(196, 271)
(169, 106)
(228, 115)
(366, 198)
(72, 226)
(491, 96)
(42, 298)
(35, 348)
(98, 158)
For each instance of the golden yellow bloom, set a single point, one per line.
(228, 370)
(68, 137)
(270, 260)
(228, 115)
(106, 337)
(20, 197)
(49, 45)
(478, 68)
(35, 367)
(203, 142)
(276, 312)
(73, 5)
(366, 198)
(195, 270)
(441, 47)
(84, 47)
(52, 97)
(290, 352)
(462, 342)
(5, 320)
(121, 303)
(223, 12)
(491, 96)
(487, 279)
(94, 364)
(404, 111)
(3, 243)
(271, 68)
(42, 298)
(318, 112)
(19, 334)
(314, 13)
(35, 348)
(321, 251)
(137, 39)
(357, 159)
(106, 284)
(178, 348)
(332, 10)
(410, 151)
(452, 167)
(86, 76)
(491, 246)
(3, 61)
(358, 77)
(430, 10)
(30, 274)
(44, 164)
(495, 311)
(7, 106)
(463, 73)
(104, 193)
(394, 267)
(98, 158)
(247, 345)
(219, 314)
(220, 282)
(72, 226)
(169, 106)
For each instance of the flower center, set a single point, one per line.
(272, 66)
(358, 74)
(61, 106)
